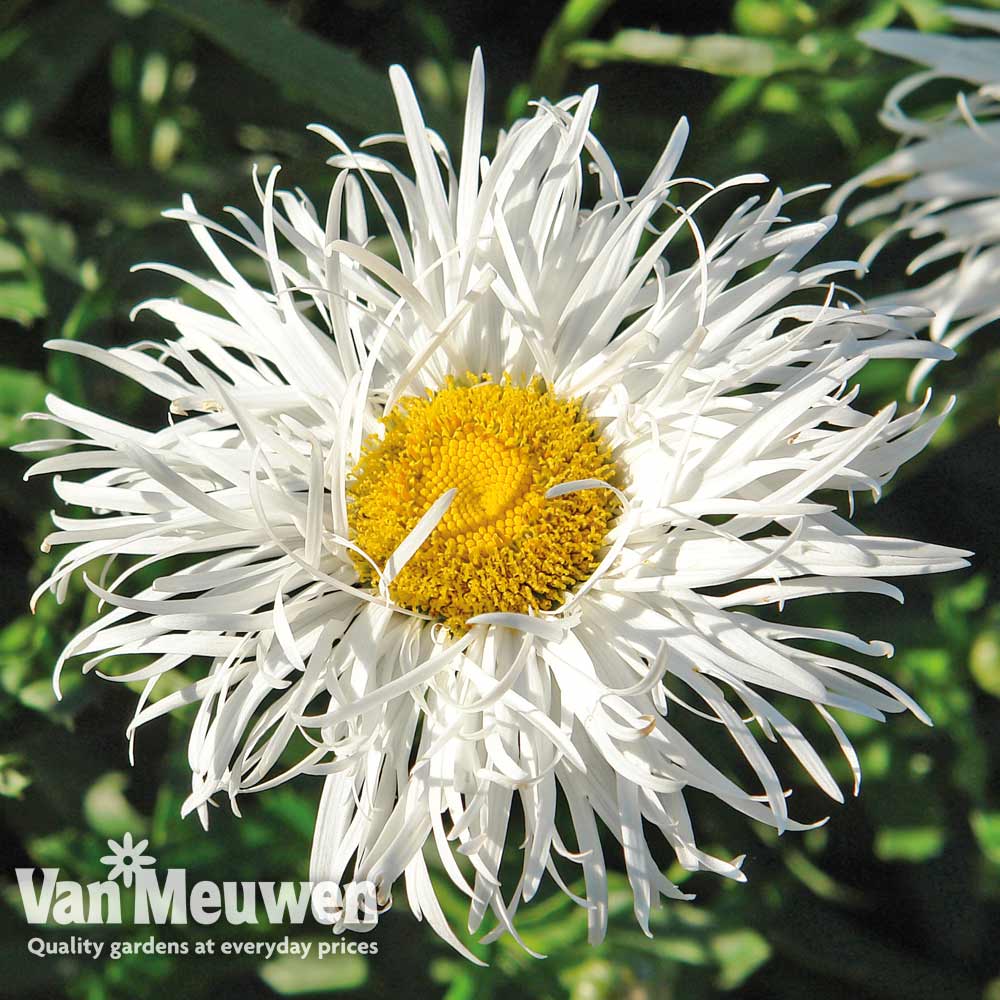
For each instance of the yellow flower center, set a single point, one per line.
(501, 545)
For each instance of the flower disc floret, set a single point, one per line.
(502, 545)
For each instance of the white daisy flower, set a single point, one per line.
(488, 517)
(944, 182)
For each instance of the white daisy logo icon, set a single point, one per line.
(127, 859)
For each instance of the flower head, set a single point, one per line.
(944, 182)
(458, 529)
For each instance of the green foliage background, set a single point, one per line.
(108, 112)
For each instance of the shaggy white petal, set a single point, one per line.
(944, 180)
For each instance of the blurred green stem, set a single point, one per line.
(574, 22)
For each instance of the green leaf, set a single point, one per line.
(781, 98)
(771, 17)
(38, 695)
(20, 392)
(818, 881)
(303, 66)
(49, 243)
(723, 55)
(13, 781)
(459, 977)
(735, 97)
(928, 15)
(22, 301)
(877, 15)
(740, 953)
(599, 979)
(984, 662)
(986, 827)
(928, 664)
(106, 809)
(964, 597)
(11, 257)
(290, 975)
(574, 21)
(910, 843)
